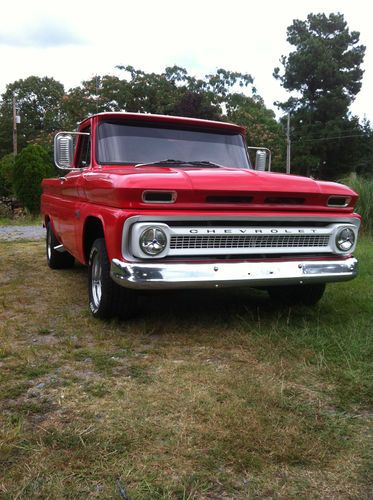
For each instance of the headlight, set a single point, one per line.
(153, 241)
(345, 239)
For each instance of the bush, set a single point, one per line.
(5, 211)
(6, 175)
(32, 165)
(364, 187)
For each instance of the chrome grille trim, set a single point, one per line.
(186, 242)
(199, 240)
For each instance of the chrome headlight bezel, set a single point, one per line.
(345, 239)
(153, 241)
(139, 248)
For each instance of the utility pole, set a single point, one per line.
(15, 120)
(288, 145)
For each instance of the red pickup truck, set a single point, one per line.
(159, 202)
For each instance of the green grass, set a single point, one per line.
(26, 220)
(364, 187)
(205, 395)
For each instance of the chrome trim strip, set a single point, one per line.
(128, 241)
(59, 248)
(163, 275)
(249, 240)
(244, 218)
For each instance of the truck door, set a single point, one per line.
(73, 195)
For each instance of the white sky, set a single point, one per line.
(72, 41)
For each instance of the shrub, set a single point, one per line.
(364, 187)
(5, 211)
(6, 175)
(32, 165)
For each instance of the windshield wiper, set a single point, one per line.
(205, 163)
(160, 163)
(169, 161)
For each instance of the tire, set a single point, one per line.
(56, 259)
(106, 298)
(307, 295)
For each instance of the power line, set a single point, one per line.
(330, 138)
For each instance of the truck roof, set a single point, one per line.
(181, 120)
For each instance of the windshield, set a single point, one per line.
(129, 143)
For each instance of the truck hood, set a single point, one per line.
(211, 188)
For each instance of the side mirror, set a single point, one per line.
(64, 149)
(263, 158)
(260, 160)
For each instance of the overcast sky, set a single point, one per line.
(73, 41)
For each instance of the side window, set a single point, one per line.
(84, 150)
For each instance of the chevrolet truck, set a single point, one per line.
(153, 202)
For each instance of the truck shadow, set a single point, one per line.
(203, 304)
(190, 307)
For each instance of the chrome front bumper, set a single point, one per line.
(145, 276)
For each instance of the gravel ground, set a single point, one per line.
(11, 233)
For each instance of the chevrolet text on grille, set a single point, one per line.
(253, 231)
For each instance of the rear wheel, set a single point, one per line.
(297, 294)
(55, 258)
(106, 298)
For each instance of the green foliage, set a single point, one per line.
(218, 96)
(32, 165)
(6, 175)
(45, 108)
(324, 70)
(171, 92)
(39, 105)
(325, 67)
(364, 187)
(262, 127)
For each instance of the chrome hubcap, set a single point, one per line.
(96, 280)
(49, 244)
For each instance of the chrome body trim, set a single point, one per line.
(129, 239)
(59, 248)
(162, 275)
(64, 150)
(213, 240)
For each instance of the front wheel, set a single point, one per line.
(106, 298)
(307, 295)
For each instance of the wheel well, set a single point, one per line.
(93, 229)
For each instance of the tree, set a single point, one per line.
(195, 105)
(170, 92)
(6, 174)
(39, 103)
(32, 165)
(45, 108)
(324, 70)
(99, 94)
(261, 124)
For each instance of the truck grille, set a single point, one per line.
(194, 242)
(224, 239)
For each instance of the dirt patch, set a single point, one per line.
(13, 233)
